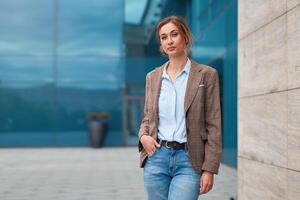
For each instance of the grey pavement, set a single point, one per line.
(85, 174)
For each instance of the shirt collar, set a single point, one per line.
(186, 69)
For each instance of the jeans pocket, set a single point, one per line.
(186, 153)
(150, 156)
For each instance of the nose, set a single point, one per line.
(170, 41)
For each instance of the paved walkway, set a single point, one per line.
(84, 174)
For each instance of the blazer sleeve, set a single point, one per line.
(144, 127)
(213, 145)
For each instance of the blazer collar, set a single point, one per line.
(186, 68)
(194, 79)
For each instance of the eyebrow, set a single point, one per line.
(170, 32)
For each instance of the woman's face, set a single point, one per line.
(171, 40)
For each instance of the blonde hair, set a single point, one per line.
(182, 26)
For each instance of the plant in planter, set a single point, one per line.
(97, 128)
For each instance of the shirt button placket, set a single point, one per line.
(174, 110)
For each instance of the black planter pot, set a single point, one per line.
(97, 133)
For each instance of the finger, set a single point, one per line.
(204, 188)
(208, 187)
(149, 148)
(156, 143)
(201, 186)
(152, 150)
(149, 151)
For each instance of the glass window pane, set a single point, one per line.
(26, 68)
(106, 71)
(26, 27)
(93, 28)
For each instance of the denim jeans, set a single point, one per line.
(168, 175)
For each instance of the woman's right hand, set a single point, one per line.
(149, 144)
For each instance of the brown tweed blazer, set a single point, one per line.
(203, 116)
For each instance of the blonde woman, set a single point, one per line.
(180, 134)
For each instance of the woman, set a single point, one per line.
(180, 134)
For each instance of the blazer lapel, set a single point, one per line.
(192, 84)
(156, 85)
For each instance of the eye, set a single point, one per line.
(163, 38)
(174, 34)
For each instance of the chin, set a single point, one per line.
(175, 53)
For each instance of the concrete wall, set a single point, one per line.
(269, 99)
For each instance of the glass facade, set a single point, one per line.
(214, 25)
(61, 60)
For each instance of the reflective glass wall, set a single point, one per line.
(62, 60)
(59, 61)
(214, 25)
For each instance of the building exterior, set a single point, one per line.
(60, 61)
(63, 60)
(268, 100)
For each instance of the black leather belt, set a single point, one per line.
(173, 144)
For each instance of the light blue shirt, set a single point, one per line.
(171, 123)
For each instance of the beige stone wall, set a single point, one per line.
(269, 99)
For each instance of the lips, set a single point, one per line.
(171, 48)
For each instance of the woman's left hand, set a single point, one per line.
(206, 182)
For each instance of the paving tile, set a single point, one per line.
(84, 173)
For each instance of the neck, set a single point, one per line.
(176, 63)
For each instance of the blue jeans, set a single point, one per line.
(168, 175)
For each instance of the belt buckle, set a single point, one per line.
(167, 145)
